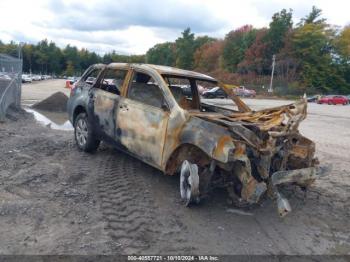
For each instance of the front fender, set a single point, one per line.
(211, 138)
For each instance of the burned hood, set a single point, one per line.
(256, 127)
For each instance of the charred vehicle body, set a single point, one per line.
(141, 109)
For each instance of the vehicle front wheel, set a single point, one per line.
(189, 183)
(84, 135)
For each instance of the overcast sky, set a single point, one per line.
(133, 26)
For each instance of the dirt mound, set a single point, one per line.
(55, 102)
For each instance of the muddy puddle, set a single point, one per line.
(54, 120)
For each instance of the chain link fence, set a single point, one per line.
(10, 83)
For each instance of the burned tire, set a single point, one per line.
(84, 134)
(189, 183)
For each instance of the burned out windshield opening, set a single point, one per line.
(196, 93)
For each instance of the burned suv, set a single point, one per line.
(142, 110)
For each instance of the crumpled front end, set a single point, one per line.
(268, 152)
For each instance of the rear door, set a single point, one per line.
(142, 119)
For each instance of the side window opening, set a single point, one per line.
(144, 88)
(113, 80)
(182, 90)
(90, 79)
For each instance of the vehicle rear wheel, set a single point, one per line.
(84, 135)
(189, 183)
(329, 103)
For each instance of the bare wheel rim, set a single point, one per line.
(81, 132)
(189, 183)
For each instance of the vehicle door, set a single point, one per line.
(105, 98)
(336, 100)
(142, 118)
(333, 100)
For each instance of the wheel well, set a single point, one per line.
(188, 152)
(77, 111)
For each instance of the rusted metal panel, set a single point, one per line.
(142, 130)
(105, 105)
(303, 176)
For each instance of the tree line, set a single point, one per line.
(311, 56)
(47, 58)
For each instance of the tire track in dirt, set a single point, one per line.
(134, 220)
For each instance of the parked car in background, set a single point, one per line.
(244, 92)
(186, 90)
(201, 89)
(36, 77)
(91, 80)
(4, 76)
(313, 99)
(334, 100)
(26, 79)
(215, 92)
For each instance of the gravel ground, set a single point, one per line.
(57, 200)
(39, 90)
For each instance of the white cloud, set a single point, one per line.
(134, 26)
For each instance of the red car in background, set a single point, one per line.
(333, 100)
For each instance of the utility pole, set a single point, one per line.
(20, 50)
(272, 72)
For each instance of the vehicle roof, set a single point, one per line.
(165, 70)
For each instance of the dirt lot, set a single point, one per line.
(57, 200)
(40, 90)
